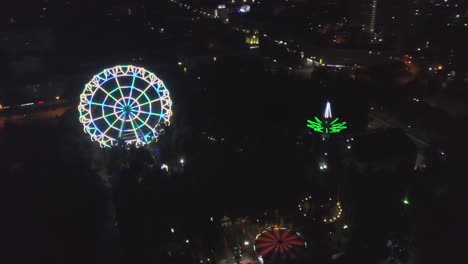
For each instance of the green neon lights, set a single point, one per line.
(406, 201)
(326, 126)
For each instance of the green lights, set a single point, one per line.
(406, 201)
(326, 126)
(316, 126)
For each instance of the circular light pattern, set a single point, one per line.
(279, 242)
(334, 213)
(306, 206)
(125, 105)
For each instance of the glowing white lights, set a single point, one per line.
(328, 112)
(125, 105)
(244, 9)
(165, 167)
(337, 211)
(323, 165)
(246, 243)
(305, 206)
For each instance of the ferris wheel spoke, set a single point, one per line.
(122, 127)
(134, 130)
(105, 105)
(144, 91)
(111, 126)
(104, 116)
(131, 90)
(150, 102)
(108, 94)
(119, 87)
(133, 103)
(152, 114)
(146, 124)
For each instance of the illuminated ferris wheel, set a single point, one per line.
(125, 105)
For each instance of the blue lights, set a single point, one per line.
(125, 104)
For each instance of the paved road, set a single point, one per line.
(35, 115)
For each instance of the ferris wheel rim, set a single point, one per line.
(143, 111)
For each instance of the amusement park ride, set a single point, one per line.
(279, 245)
(130, 106)
(328, 125)
(125, 105)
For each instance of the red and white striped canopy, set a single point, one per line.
(279, 242)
